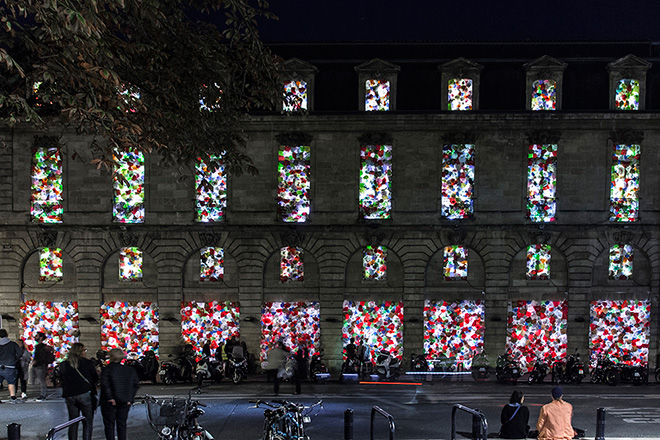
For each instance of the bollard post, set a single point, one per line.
(600, 423)
(348, 424)
(14, 431)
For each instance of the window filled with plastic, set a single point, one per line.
(375, 181)
(293, 184)
(457, 181)
(542, 183)
(46, 189)
(128, 181)
(460, 94)
(211, 189)
(624, 202)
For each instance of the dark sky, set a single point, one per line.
(469, 20)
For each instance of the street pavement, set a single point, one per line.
(421, 409)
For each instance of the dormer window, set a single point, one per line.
(377, 85)
(544, 79)
(460, 79)
(297, 86)
(628, 83)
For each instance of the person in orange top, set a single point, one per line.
(555, 419)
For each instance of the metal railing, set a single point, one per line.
(51, 433)
(390, 420)
(482, 427)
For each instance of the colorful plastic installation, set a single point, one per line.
(46, 190)
(537, 329)
(50, 264)
(544, 94)
(618, 329)
(128, 181)
(453, 330)
(374, 263)
(377, 95)
(212, 261)
(538, 262)
(295, 96)
(58, 320)
(210, 103)
(460, 94)
(624, 202)
(131, 326)
(457, 181)
(293, 323)
(130, 264)
(542, 183)
(377, 325)
(211, 189)
(293, 186)
(455, 263)
(621, 262)
(214, 321)
(291, 264)
(130, 96)
(627, 94)
(375, 181)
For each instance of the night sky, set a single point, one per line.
(476, 20)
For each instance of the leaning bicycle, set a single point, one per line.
(284, 420)
(175, 418)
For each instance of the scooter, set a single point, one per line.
(538, 373)
(237, 368)
(208, 368)
(480, 367)
(507, 369)
(387, 366)
(318, 371)
(177, 371)
(418, 362)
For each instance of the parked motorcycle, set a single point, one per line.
(480, 366)
(637, 374)
(350, 366)
(571, 371)
(605, 371)
(180, 370)
(507, 369)
(146, 366)
(176, 418)
(418, 362)
(387, 366)
(208, 368)
(237, 369)
(538, 373)
(318, 371)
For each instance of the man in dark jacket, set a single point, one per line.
(10, 353)
(43, 356)
(119, 383)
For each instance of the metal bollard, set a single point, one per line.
(600, 423)
(348, 424)
(14, 431)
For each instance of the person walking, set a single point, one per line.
(555, 420)
(23, 367)
(119, 383)
(276, 357)
(43, 356)
(79, 379)
(515, 417)
(10, 353)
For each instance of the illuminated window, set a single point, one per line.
(295, 96)
(375, 181)
(128, 181)
(58, 320)
(50, 264)
(292, 323)
(377, 325)
(212, 261)
(455, 263)
(211, 188)
(621, 262)
(544, 94)
(130, 264)
(293, 187)
(541, 183)
(131, 326)
(374, 263)
(214, 322)
(377, 95)
(291, 264)
(624, 204)
(457, 181)
(47, 186)
(460, 94)
(210, 98)
(129, 97)
(538, 262)
(627, 94)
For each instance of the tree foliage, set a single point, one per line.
(135, 73)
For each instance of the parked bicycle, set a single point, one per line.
(176, 418)
(284, 420)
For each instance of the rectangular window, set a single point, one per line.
(295, 96)
(58, 320)
(130, 264)
(455, 263)
(50, 264)
(538, 262)
(128, 181)
(460, 94)
(374, 263)
(621, 262)
(292, 323)
(627, 94)
(375, 181)
(212, 264)
(377, 95)
(131, 326)
(544, 94)
(293, 187)
(46, 188)
(454, 331)
(457, 181)
(378, 325)
(291, 264)
(214, 322)
(624, 204)
(541, 182)
(211, 188)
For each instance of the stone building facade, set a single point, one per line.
(334, 236)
